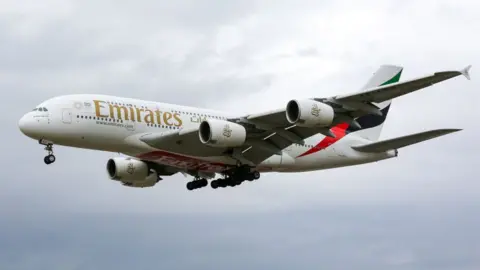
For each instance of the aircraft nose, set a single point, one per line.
(24, 124)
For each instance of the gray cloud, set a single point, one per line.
(338, 237)
(249, 56)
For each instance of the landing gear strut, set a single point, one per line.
(50, 158)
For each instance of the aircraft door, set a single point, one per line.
(129, 124)
(67, 116)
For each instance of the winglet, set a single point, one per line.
(466, 72)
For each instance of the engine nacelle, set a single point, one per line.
(220, 133)
(309, 113)
(131, 171)
(146, 183)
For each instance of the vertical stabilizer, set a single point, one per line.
(386, 74)
(371, 124)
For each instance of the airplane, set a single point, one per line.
(156, 140)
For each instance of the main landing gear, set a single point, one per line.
(235, 179)
(50, 158)
(197, 183)
(232, 179)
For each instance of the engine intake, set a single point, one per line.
(309, 113)
(132, 171)
(220, 133)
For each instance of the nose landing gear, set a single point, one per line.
(50, 158)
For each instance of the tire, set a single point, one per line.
(214, 184)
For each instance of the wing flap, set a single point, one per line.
(390, 91)
(403, 141)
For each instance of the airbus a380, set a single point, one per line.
(160, 139)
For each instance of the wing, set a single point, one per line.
(184, 141)
(394, 90)
(270, 132)
(347, 108)
(263, 141)
(266, 141)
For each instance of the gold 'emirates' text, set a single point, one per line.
(104, 109)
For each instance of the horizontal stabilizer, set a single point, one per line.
(403, 141)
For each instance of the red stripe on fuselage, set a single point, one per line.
(339, 131)
(184, 162)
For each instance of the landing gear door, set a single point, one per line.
(67, 116)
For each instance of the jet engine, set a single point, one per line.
(131, 172)
(220, 133)
(309, 113)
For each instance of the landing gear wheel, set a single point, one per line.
(214, 184)
(49, 159)
(222, 183)
(199, 183)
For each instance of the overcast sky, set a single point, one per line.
(418, 211)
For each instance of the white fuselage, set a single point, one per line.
(114, 124)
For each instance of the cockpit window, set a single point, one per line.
(41, 109)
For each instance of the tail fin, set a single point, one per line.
(371, 125)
